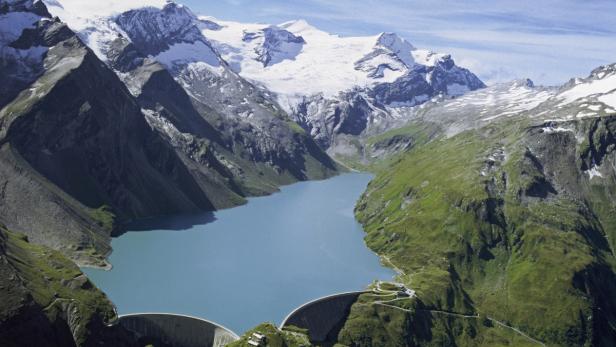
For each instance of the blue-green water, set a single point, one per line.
(253, 263)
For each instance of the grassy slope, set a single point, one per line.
(473, 250)
(42, 280)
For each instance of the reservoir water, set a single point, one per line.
(247, 265)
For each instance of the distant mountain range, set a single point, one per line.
(339, 86)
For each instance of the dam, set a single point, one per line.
(323, 317)
(163, 329)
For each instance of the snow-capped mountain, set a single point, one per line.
(88, 131)
(22, 63)
(599, 87)
(593, 96)
(316, 62)
(157, 50)
(335, 86)
(154, 30)
(319, 79)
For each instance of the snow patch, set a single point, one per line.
(182, 54)
(609, 99)
(594, 172)
(587, 89)
(553, 129)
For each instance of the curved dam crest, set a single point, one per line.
(247, 265)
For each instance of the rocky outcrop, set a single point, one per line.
(274, 44)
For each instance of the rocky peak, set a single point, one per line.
(154, 30)
(603, 71)
(275, 44)
(398, 46)
(34, 6)
(390, 53)
(209, 24)
(26, 32)
(524, 82)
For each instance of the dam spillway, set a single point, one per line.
(177, 330)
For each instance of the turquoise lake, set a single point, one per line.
(250, 264)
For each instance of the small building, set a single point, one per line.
(256, 339)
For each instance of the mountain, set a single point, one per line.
(215, 59)
(253, 130)
(342, 87)
(498, 213)
(77, 152)
(495, 204)
(83, 153)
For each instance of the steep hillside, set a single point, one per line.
(77, 153)
(510, 225)
(253, 134)
(47, 301)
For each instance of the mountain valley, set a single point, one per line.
(495, 204)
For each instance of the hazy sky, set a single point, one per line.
(548, 41)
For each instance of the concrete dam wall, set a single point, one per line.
(177, 330)
(323, 317)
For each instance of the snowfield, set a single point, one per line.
(587, 89)
(326, 64)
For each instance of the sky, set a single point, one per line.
(549, 41)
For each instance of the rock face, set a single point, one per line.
(155, 30)
(77, 141)
(82, 152)
(274, 44)
(253, 134)
(47, 301)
